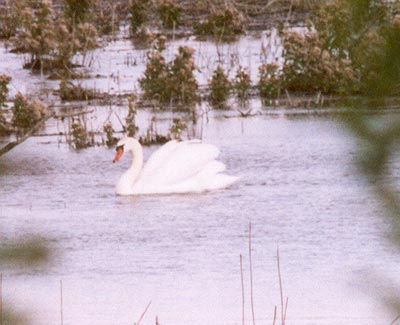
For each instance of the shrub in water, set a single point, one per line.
(176, 129)
(78, 11)
(138, 10)
(225, 22)
(242, 84)
(109, 131)
(181, 77)
(11, 17)
(130, 127)
(309, 67)
(4, 81)
(170, 82)
(220, 87)
(341, 50)
(169, 13)
(50, 40)
(70, 91)
(26, 113)
(269, 83)
(155, 79)
(80, 135)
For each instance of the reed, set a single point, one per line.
(144, 313)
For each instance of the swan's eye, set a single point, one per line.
(121, 147)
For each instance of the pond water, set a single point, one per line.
(116, 254)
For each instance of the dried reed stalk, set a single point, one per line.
(251, 278)
(61, 303)
(141, 317)
(242, 282)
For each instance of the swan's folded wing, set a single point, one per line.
(178, 163)
(158, 157)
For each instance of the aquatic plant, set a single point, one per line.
(182, 82)
(340, 52)
(309, 67)
(78, 11)
(11, 18)
(155, 79)
(220, 87)
(80, 136)
(169, 12)
(51, 40)
(242, 84)
(130, 127)
(26, 112)
(36, 36)
(111, 140)
(138, 10)
(223, 23)
(70, 91)
(176, 129)
(106, 16)
(170, 82)
(4, 81)
(152, 136)
(269, 83)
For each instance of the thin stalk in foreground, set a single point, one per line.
(251, 278)
(283, 310)
(61, 303)
(242, 282)
(141, 317)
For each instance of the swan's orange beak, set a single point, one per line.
(119, 153)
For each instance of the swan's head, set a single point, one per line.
(124, 144)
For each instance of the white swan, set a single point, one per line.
(176, 167)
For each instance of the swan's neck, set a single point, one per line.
(127, 180)
(137, 162)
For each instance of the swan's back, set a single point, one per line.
(181, 167)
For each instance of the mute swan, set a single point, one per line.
(176, 167)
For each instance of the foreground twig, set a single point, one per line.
(242, 282)
(141, 317)
(251, 278)
(283, 310)
(1, 298)
(26, 135)
(394, 320)
(61, 303)
(275, 315)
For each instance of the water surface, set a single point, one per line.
(181, 252)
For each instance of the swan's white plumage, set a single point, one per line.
(176, 167)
